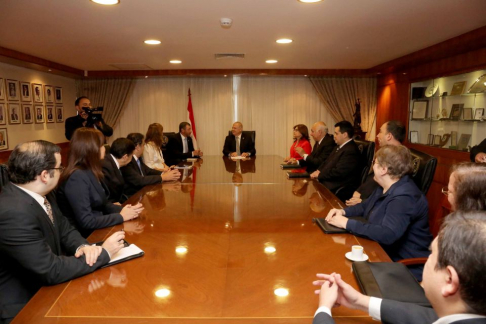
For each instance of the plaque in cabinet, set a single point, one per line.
(479, 86)
(458, 88)
(419, 111)
(478, 113)
(467, 114)
(456, 111)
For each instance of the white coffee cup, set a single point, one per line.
(357, 252)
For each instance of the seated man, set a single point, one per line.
(391, 133)
(343, 166)
(237, 144)
(137, 174)
(38, 246)
(324, 145)
(478, 153)
(180, 146)
(453, 281)
(121, 152)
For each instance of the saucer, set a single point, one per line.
(349, 256)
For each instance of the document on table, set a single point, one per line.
(238, 158)
(127, 253)
(183, 167)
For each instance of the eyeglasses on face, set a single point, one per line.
(445, 191)
(61, 169)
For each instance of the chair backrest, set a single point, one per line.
(367, 149)
(423, 169)
(251, 134)
(3, 176)
(165, 141)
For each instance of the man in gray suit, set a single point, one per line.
(453, 281)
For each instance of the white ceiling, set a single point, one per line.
(333, 34)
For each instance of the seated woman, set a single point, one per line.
(152, 154)
(396, 213)
(301, 139)
(81, 196)
(466, 188)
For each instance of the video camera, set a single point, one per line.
(94, 114)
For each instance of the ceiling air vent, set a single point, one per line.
(229, 56)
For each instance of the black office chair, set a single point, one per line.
(3, 176)
(165, 140)
(251, 134)
(423, 169)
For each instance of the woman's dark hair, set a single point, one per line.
(469, 186)
(301, 128)
(155, 133)
(84, 153)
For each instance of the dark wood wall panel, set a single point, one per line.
(4, 155)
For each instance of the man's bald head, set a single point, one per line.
(237, 128)
(318, 131)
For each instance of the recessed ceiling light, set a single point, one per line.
(284, 41)
(271, 61)
(175, 62)
(152, 42)
(309, 1)
(106, 2)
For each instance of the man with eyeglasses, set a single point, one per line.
(38, 246)
(82, 120)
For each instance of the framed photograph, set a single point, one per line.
(3, 139)
(413, 137)
(3, 114)
(453, 138)
(49, 94)
(14, 113)
(50, 114)
(37, 92)
(58, 93)
(458, 88)
(25, 92)
(419, 110)
(59, 114)
(27, 115)
(13, 90)
(467, 114)
(478, 113)
(430, 139)
(3, 96)
(463, 141)
(437, 139)
(443, 114)
(456, 111)
(39, 114)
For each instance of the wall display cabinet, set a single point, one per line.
(449, 112)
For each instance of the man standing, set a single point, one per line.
(237, 144)
(137, 174)
(38, 246)
(323, 146)
(453, 281)
(180, 146)
(82, 120)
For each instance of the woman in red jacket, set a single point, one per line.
(301, 139)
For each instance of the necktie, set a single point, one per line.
(48, 209)
(140, 166)
(185, 149)
(238, 152)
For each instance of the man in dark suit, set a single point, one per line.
(38, 246)
(82, 120)
(237, 144)
(137, 174)
(180, 146)
(39, 114)
(13, 115)
(121, 152)
(453, 281)
(343, 166)
(323, 146)
(478, 153)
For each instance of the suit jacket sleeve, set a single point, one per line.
(105, 129)
(175, 148)
(348, 162)
(109, 180)
(251, 147)
(478, 149)
(133, 178)
(323, 318)
(69, 127)
(405, 313)
(27, 245)
(227, 148)
(77, 190)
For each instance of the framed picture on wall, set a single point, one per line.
(419, 111)
(3, 139)
(39, 114)
(13, 90)
(3, 96)
(58, 92)
(25, 92)
(50, 114)
(37, 92)
(3, 114)
(14, 113)
(59, 114)
(49, 94)
(27, 114)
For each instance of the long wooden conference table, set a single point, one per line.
(217, 247)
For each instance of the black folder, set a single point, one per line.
(285, 166)
(330, 229)
(299, 174)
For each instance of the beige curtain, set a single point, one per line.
(339, 96)
(112, 94)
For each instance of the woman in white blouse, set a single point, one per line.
(152, 154)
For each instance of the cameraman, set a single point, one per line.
(84, 119)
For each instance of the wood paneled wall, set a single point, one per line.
(4, 155)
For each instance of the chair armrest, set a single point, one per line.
(413, 261)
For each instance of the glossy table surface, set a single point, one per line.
(207, 244)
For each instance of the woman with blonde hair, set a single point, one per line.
(152, 154)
